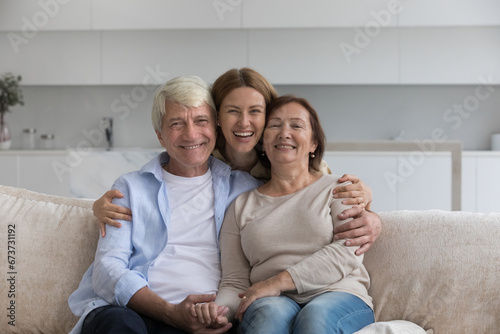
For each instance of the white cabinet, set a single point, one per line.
(450, 56)
(469, 184)
(154, 57)
(488, 184)
(453, 13)
(316, 56)
(27, 17)
(399, 180)
(9, 174)
(313, 14)
(162, 14)
(54, 58)
(39, 173)
(33, 170)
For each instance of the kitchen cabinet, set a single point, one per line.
(54, 58)
(154, 57)
(31, 16)
(161, 14)
(468, 55)
(312, 14)
(314, 56)
(488, 183)
(469, 184)
(450, 13)
(399, 180)
(9, 175)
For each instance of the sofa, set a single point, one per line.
(439, 270)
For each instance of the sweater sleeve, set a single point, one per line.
(235, 266)
(331, 263)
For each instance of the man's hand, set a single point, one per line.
(183, 317)
(362, 231)
(106, 212)
(356, 193)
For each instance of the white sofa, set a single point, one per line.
(437, 269)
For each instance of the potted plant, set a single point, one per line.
(10, 95)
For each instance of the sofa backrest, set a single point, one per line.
(438, 269)
(48, 243)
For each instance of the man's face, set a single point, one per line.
(188, 135)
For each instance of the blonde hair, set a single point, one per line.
(187, 91)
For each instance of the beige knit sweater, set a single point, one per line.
(263, 235)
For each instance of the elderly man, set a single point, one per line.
(148, 274)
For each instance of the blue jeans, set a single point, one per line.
(122, 320)
(331, 312)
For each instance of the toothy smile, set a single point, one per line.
(191, 147)
(288, 147)
(243, 134)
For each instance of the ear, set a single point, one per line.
(160, 138)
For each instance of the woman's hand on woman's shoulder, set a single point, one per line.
(356, 193)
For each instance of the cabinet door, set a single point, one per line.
(469, 184)
(319, 56)
(40, 173)
(54, 58)
(451, 13)
(35, 15)
(488, 184)
(165, 14)
(374, 170)
(153, 57)
(467, 55)
(425, 181)
(10, 171)
(314, 13)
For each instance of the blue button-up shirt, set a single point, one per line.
(123, 257)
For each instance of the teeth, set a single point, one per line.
(243, 134)
(192, 147)
(285, 146)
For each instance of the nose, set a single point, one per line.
(190, 131)
(284, 132)
(243, 119)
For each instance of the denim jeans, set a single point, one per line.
(122, 320)
(331, 312)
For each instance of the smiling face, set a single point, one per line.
(288, 137)
(188, 135)
(242, 118)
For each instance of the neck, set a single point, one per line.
(174, 169)
(286, 180)
(240, 161)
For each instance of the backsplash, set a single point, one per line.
(358, 112)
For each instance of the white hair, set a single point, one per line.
(188, 91)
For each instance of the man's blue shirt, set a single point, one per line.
(123, 257)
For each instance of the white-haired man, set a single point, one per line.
(149, 273)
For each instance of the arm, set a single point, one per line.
(334, 261)
(355, 193)
(106, 212)
(362, 231)
(235, 266)
(180, 315)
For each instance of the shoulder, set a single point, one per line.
(243, 181)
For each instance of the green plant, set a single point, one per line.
(10, 92)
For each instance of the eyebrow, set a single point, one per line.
(236, 107)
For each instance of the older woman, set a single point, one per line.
(283, 271)
(241, 97)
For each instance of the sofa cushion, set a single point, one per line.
(48, 243)
(438, 269)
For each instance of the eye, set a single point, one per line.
(255, 111)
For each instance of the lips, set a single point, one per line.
(287, 147)
(244, 134)
(192, 147)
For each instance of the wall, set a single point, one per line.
(354, 112)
